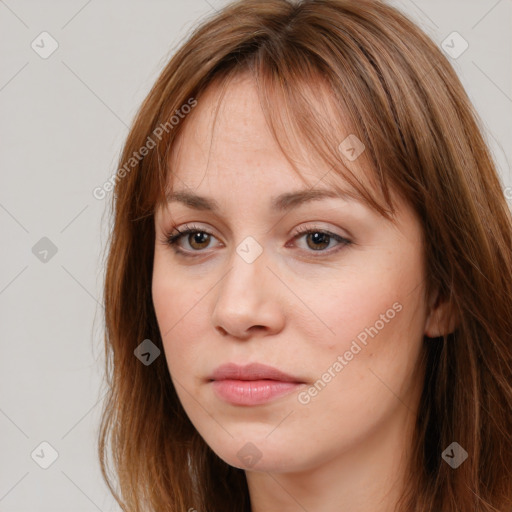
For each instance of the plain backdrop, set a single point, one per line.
(63, 120)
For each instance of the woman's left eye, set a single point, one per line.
(317, 240)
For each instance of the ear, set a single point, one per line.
(441, 319)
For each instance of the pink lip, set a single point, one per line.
(252, 384)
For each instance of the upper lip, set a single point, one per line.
(253, 371)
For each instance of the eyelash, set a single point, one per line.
(173, 238)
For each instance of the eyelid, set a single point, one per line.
(311, 226)
(172, 238)
(185, 229)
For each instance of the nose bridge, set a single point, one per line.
(243, 282)
(245, 296)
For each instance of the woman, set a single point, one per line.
(308, 286)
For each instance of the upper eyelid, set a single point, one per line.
(187, 228)
(302, 229)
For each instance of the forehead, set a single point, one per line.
(227, 138)
(227, 135)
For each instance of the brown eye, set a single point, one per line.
(200, 238)
(318, 240)
(190, 239)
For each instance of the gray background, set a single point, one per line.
(63, 120)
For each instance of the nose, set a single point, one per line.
(248, 300)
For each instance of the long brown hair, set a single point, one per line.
(401, 97)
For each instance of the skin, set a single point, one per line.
(294, 308)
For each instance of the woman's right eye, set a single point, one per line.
(197, 239)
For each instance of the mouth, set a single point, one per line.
(253, 384)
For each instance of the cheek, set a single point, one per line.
(344, 308)
(369, 368)
(178, 307)
(371, 314)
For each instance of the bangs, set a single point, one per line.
(310, 122)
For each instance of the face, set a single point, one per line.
(324, 290)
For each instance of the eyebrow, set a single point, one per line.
(283, 202)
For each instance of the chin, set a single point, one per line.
(260, 455)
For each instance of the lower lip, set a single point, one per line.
(252, 392)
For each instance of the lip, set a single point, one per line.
(252, 384)
(253, 371)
